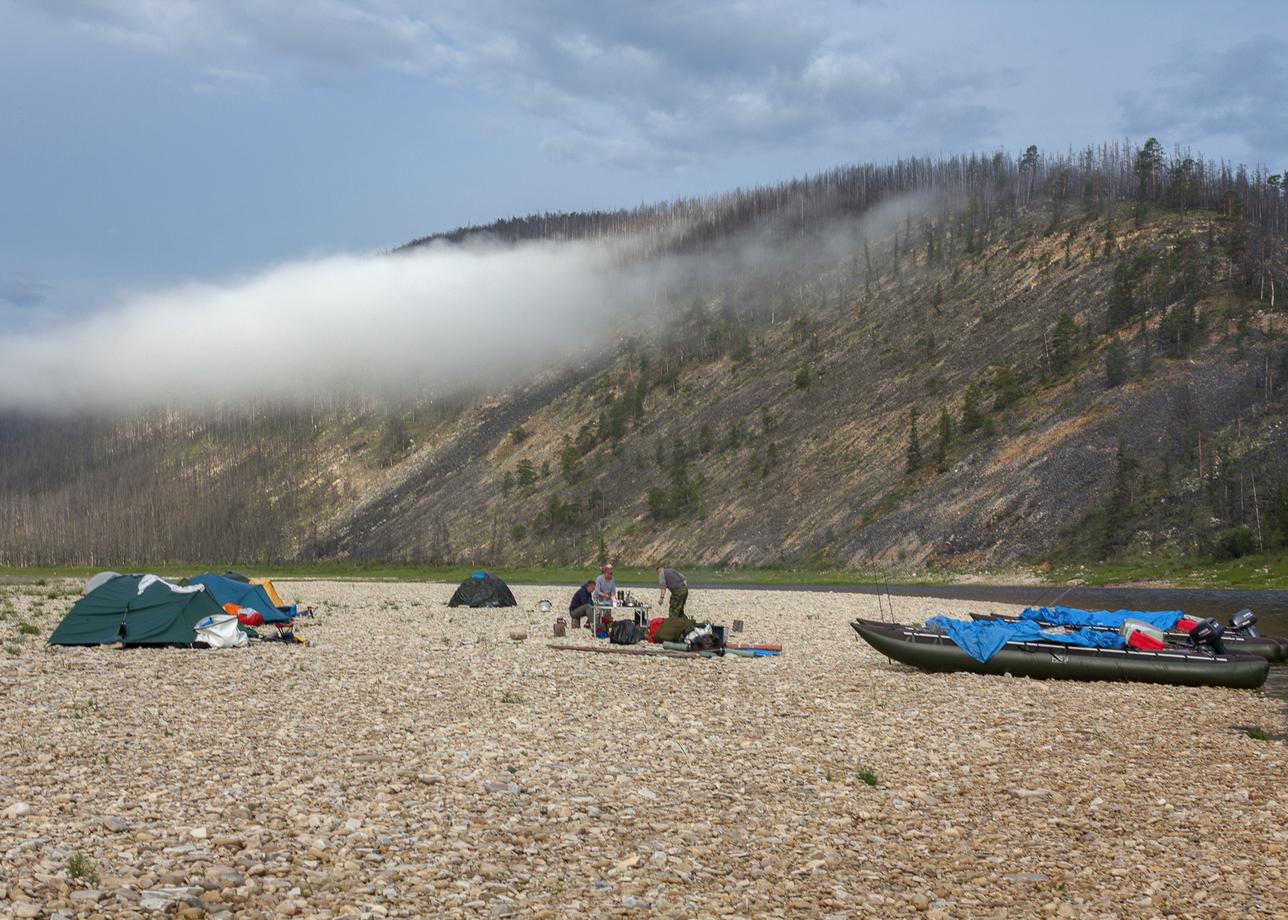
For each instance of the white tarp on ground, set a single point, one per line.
(220, 631)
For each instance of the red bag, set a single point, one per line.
(1145, 643)
(653, 626)
(1185, 624)
(248, 617)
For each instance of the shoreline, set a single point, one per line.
(1265, 573)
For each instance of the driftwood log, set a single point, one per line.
(629, 650)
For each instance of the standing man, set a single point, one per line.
(605, 586)
(675, 582)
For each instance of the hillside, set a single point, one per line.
(1088, 349)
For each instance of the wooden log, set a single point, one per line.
(623, 650)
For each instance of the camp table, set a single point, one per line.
(637, 610)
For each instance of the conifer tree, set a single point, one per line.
(945, 439)
(1063, 343)
(1116, 364)
(706, 439)
(972, 417)
(914, 444)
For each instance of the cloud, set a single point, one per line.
(435, 319)
(227, 80)
(16, 292)
(1204, 98)
(634, 84)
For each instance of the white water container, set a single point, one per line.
(1131, 627)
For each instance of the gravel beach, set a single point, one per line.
(418, 761)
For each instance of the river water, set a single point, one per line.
(1271, 607)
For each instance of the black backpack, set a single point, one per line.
(624, 632)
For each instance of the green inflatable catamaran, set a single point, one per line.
(933, 650)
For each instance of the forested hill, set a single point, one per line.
(967, 360)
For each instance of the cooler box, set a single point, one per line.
(1138, 634)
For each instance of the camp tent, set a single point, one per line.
(482, 590)
(243, 594)
(136, 610)
(101, 578)
(271, 591)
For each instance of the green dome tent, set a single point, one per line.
(482, 590)
(136, 610)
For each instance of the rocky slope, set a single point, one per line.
(820, 470)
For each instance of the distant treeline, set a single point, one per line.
(989, 186)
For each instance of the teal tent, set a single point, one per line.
(482, 590)
(117, 611)
(230, 591)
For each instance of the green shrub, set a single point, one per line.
(82, 870)
(868, 776)
(1233, 544)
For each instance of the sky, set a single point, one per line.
(163, 145)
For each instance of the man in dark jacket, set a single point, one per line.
(583, 605)
(675, 582)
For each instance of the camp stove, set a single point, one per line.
(639, 610)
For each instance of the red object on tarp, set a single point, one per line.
(245, 615)
(653, 626)
(1185, 624)
(1144, 643)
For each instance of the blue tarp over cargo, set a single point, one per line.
(982, 639)
(1071, 616)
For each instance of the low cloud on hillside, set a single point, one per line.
(435, 319)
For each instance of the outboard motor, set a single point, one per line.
(1208, 632)
(1245, 623)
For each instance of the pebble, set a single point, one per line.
(390, 774)
(18, 810)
